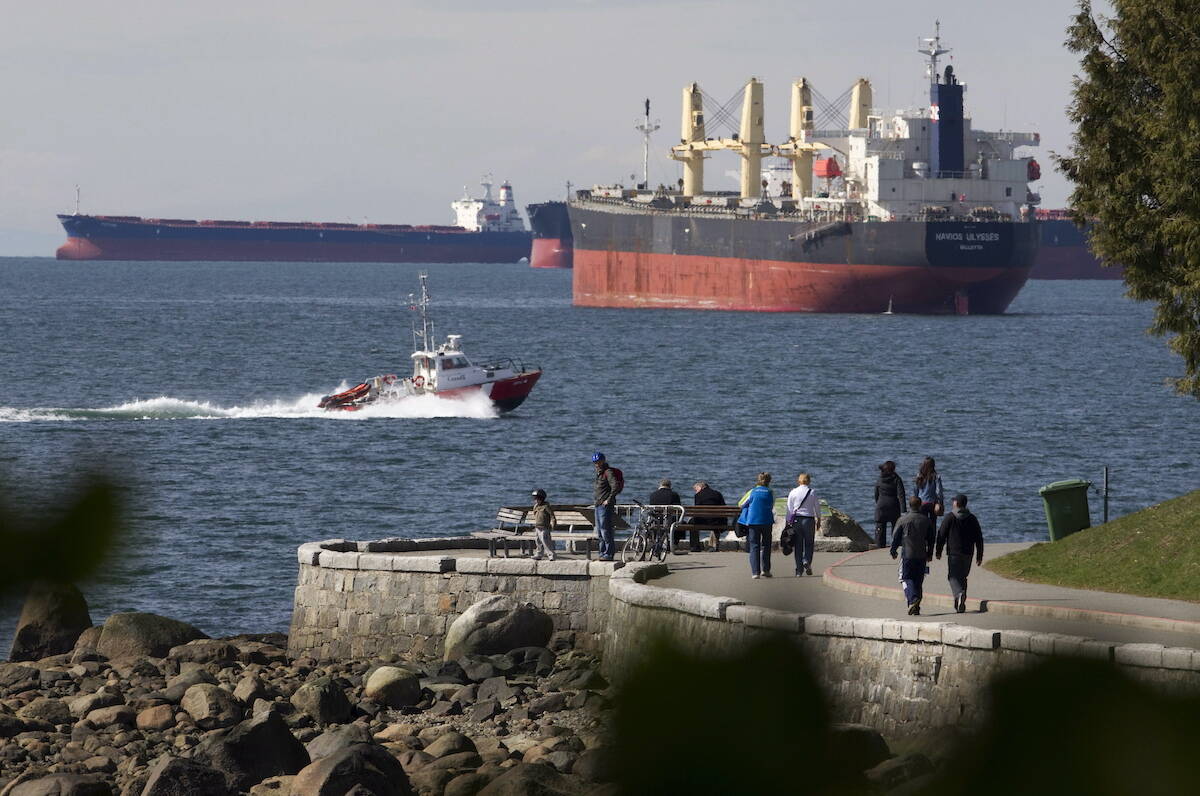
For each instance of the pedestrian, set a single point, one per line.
(961, 537)
(542, 518)
(928, 487)
(608, 485)
(758, 515)
(804, 514)
(889, 498)
(666, 496)
(914, 538)
(705, 495)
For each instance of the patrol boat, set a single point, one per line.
(441, 369)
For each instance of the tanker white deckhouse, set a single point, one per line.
(916, 209)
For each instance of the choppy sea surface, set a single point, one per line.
(195, 386)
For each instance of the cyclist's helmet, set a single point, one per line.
(597, 456)
(540, 494)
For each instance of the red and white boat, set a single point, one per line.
(442, 370)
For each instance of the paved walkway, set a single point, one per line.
(866, 586)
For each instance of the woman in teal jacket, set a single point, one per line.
(758, 513)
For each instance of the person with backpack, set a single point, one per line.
(889, 501)
(961, 537)
(758, 515)
(542, 518)
(928, 487)
(609, 483)
(803, 515)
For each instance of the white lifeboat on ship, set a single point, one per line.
(443, 370)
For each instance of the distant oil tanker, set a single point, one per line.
(488, 231)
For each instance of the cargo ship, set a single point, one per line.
(552, 242)
(1063, 251)
(917, 211)
(485, 231)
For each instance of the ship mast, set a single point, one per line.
(422, 338)
(932, 47)
(646, 128)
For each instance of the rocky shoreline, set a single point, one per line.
(236, 716)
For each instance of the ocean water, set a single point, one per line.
(195, 385)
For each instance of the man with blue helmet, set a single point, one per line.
(608, 485)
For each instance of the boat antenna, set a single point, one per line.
(932, 47)
(423, 337)
(645, 127)
(76, 200)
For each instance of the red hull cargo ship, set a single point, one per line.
(487, 232)
(552, 243)
(914, 213)
(1063, 251)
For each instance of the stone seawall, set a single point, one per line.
(899, 677)
(367, 599)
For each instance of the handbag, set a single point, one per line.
(741, 529)
(787, 540)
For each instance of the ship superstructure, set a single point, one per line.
(916, 208)
(485, 214)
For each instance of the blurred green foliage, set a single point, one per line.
(63, 546)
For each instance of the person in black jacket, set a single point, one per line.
(961, 537)
(914, 540)
(889, 497)
(707, 496)
(666, 496)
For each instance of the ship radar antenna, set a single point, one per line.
(932, 48)
(76, 200)
(646, 128)
(423, 337)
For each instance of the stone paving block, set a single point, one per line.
(868, 628)
(818, 624)
(604, 569)
(375, 561)
(739, 613)
(471, 566)
(930, 632)
(1017, 640)
(333, 560)
(1178, 658)
(422, 563)
(770, 619)
(909, 631)
(566, 567)
(1042, 643)
(512, 566)
(839, 626)
(892, 630)
(1072, 646)
(1150, 655)
(309, 553)
(1097, 650)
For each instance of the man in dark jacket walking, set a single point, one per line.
(914, 537)
(962, 538)
(707, 496)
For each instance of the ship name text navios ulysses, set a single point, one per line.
(917, 210)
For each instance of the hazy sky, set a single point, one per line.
(365, 109)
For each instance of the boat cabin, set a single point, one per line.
(447, 368)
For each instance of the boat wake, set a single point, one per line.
(476, 406)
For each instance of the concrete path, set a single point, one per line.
(728, 574)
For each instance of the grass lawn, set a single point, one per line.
(1154, 552)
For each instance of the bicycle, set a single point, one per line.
(651, 534)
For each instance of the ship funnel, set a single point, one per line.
(691, 132)
(801, 126)
(752, 137)
(860, 104)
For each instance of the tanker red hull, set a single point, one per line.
(551, 253)
(625, 279)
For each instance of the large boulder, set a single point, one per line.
(61, 785)
(53, 617)
(324, 700)
(336, 739)
(132, 635)
(532, 779)
(211, 706)
(365, 767)
(394, 687)
(497, 624)
(47, 709)
(173, 776)
(839, 532)
(252, 751)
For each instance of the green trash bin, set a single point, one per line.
(1066, 505)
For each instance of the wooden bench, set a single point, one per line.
(700, 518)
(572, 524)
